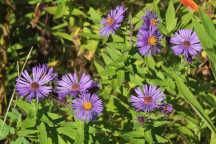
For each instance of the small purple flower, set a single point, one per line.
(140, 119)
(166, 108)
(35, 86)
(70, 84)
(186, 43)
(87, 107)
(94, 87)
(150, 20)
(189, 59)
(112, 22)
(147, 100)
(148, 41)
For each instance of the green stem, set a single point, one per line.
(14, 90)
(81, 132)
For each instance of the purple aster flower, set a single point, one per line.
(186, 43)
(166, 108)
(112, 22)
(150, 20)
(147, 100)
(35, 86)
(148, 41)
(140, 119)
(94, 87)
(87, 107)
(71, 85)
(189, 59)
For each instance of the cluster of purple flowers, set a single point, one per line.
(149, 98)
(149, 38)
(86, 104)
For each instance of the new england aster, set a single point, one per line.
(112, 22)
(35, 86)
(71, 85)
(150, 20)
(147, 99)
(165, 108)
(148, 41)
(186, 43)
(87, 107)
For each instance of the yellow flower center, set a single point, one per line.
(109, 21)
(153, 22)
(75, 87)
(147, 100)
(34, 86)
(87, 106)
(152, 40)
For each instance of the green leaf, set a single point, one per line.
(26, 132)
(42, 134)
(51, 10)
(4, 130)
(192, 100)
(186, 19)
(208, 24)
(28, 122)
(213, 139)
(20, 140)
(148, 136)
(98, 67)
(171, 20)
(69, 129)
(160, 139)
(94, 16)
(63, 35)
(78, 12)
(207, 44)
(60, 10)
(25, 106)
(61, 140)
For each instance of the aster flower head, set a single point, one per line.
(140, 119)
(150, 20)
(35, 86)
(87, 107)
(112, 22)
(147, 99)
(69, 84)
(166, 108)
(149, 41)
(186, 43)
(94, 87)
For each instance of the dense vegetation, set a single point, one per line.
(107, 71)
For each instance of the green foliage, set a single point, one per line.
(66, 35)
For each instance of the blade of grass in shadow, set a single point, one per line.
(191, 99)
(14, 90)
(207, 42)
